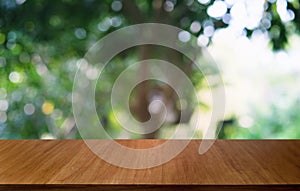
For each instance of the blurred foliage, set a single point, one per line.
(42, 41)
(277, 123)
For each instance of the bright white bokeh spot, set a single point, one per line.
(168, 6)
(116, 21)
(226, 18)
(238, 10)
(20, 2)
(15, 77)
(291, 15)
(229, 3)
(247, 14)
(207, 22)
(47, 136)
(80, 33)
(184, 36)
(266, 23)
(3, 105)
(195, 26)
(29, 109)
(204, 2)
(116, 5)
(209, 31)
(285, 14)
(218, 9)
(281, 5)
(105, 24)
(202, 41)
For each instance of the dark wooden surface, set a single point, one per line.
(228, 165)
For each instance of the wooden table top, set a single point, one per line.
(228, 162)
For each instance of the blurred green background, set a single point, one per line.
(256, 44)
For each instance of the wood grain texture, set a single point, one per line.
(228, 165)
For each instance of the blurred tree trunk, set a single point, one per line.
(142, 99)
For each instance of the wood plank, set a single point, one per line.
(73, 187)
(231, 164)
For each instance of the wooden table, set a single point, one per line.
(228, 165)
